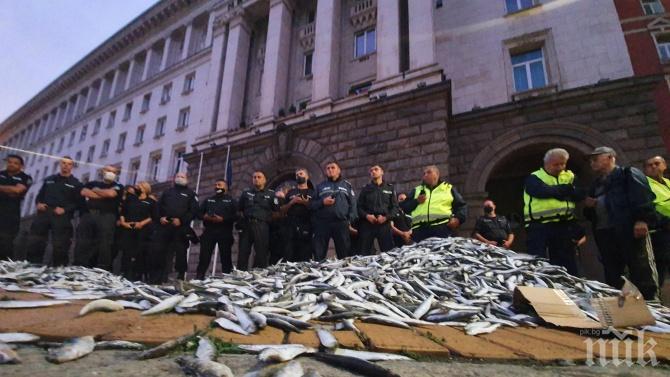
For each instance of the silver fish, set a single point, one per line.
(206, 350)
(118, 345)
(102, 305)
(203, 368)
(326, 338)
(71, 349)
(19, 304)
(281, 354)
(369, 356)
(18, 337)
(165, 305)
(8, 355)
(229, 325)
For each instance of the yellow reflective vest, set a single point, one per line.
(437, 209)
(549, 209)
(662, 192)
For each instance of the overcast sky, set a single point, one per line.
(41, 39)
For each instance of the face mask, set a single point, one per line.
(220, 191)
(180, 181)
(109, 176)
(300, 180)
(488, 209)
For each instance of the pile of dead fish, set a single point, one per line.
(453, 282)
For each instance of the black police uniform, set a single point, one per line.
(10, 207)
(134, 242)
(377, 200)
(279, 235)
(333, 221)
(56, 191)
(495, 228)
(257, 207)
(220, 234)
(171, 242)
(95, 233)
(298, 219)
(402, 221)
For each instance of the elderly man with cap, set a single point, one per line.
(654, 168)
(621, 207)
(549, 210)
(13, 186)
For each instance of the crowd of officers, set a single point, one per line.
(629, 210)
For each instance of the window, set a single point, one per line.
(105, 148)
(61, 142)
(178, 163)
(70, 142)
(189, 83)
(77, 157)
(146, 101)
(529, 71)
(139, 136)
(121, 145)
(184, 114)
(307, 64)
(663, 47)
(51, 148)
(85, 178)
(652, 7)
(365, 43)
(82, 135)
(133, 171)
(54, 168)
(165, 96)
(127, 111)
(111, 119)
(41, 153)
(90, 154)
(160, 127)
(154, 167)
(96, 127)
(518, 5)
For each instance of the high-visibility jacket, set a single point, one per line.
(546, 210)
(662, 192)
(437, 209)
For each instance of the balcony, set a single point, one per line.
(306, 36)
(363, 14)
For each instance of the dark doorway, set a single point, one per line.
(505, 188)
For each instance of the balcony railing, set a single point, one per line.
(363, 14)
(307, 33)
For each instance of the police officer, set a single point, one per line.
(298, 217)
(176, 208)
(377, 205)
(493, 229)
(402, 224)
(279, 229)
(218, 214)
(95, 233)
(654, 168)
(549, 210)
(135, 228)
(256, 206)
(436, 207)
(14, 184)
(57, 201)
(333, 210)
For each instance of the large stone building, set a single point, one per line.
(479, 87)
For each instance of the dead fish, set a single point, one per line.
(19, 304)
(71, 349)
(8, 355)
(203, 368)
(118, 345)
(18, 337)
(102, 305)
(245, 320)
(292, 369)
(281, 354)
(206, 350)
(165, 305)
(282, 325)
(353, 365)
(229, 325)
(134, 305)
(369, 356)
(422, 309)
(164, 348)
(259, 319)
(326, 338)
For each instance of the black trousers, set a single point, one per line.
(9, 228)
(279, 242)
(618, 250)
(223, 237)
(61, 237)
(170, 243)
(299, 247)
(134, 245)
(556, 240)
(660, 240)
(324, 231)
(255, 233)
(95, 238)
(369, 232)
(423, 232)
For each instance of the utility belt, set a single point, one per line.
(95, 211)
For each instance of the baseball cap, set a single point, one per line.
(602, 150)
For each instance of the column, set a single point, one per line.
(187, 41)
(115, 83)
(166, 53)
(89, 97)
(147, 63)
(234, 73)
(218, 32)
(277, 56)
(129, 77)
(421, 34)
(210, 30)
(388, 41)
(100, 91)
(77, 105)
(326, 50)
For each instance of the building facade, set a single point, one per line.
(479, 87)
